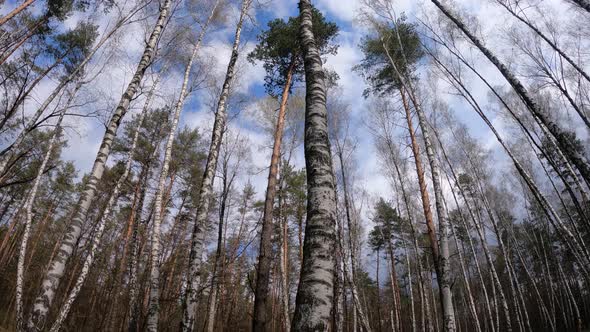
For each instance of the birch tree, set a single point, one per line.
(28, 210)
(278, 48)
(189, 302)
(553, 130)
(153, 312)
(89, 53)
(390, 56)
(315, 291)
(57, 266)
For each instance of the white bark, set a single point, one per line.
(542, 304)
(284, 272)
(443, 270)
(411, 287)
(554, 132)
(350, 274)
(57, 266)
(6, 154)
(198, 234)
(153, 306)
(28, 208)
(106, 216)
(314, 294)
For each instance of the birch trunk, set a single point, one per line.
(28, 209)
(441, 264)
(5, 154)
(216, 275)
(378, 293)
(106, 216)
(569, 168)
(339, 283)
(578, 249)
(542, 304)
(497, 285)
(357, 306)
(411, 289)
(471, 301)
(519, 292)
(284, 267)
(133, 308)
(443, 257)
(205, 193)
(572, 299)
(554, 131)
(464, 223)
(315, 292)
(425, 311)
(260, 320)
(57, 266)
(396, 300)
(159, 207)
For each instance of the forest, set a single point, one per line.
(295, 165)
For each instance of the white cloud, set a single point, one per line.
(216, 52)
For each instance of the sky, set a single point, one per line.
(85, 134)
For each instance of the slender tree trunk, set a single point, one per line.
(379, 318)
(396, 300)
(444, 254)
(260, 320)
(441, 256)
(561, 138)
(562, 87)
(578, 249)
(425, 311)
(569, 168)
(57, 266)
(542, 304)
(497, 285)
(572, 299)
(433, 297)
(442, 274)
(14, 107)
(205, 193)
(339, 283)
(106, 215)
(314, 303)
(464, 223)
(519, 290)
(284, 263)
(133, 306)
(39, 232)
(411, 290)
(16, 11)
(130, 234)
(28, 209)
(23, 39)
(159, 207)
(219, 252)
(471, 301)
(5, 154)
(357, 306)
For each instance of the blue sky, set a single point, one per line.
(85, 134)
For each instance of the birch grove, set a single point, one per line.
(239, 165)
